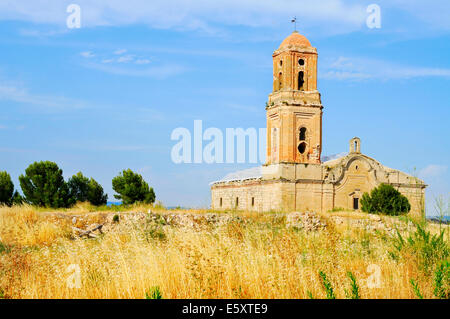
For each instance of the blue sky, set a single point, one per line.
(107, 96)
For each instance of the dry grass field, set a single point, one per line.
(253, 256)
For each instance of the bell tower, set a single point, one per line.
(294, 109)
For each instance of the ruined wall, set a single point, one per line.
(257, 195)
(309, 187)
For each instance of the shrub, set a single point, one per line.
(116, 218)
(43, 185)
(442, 280)
(385, 199)
(427, 249)
(6, 189)
(153, 293)
(132, 188)
(83, 189)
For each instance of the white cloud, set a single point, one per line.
(125, 59)
(436, 176)
(17, 128)
(161, 71)
(434, 13)
(142, 61)
(119, 52)
(432, 171)
(330, 16)
(10, 92)
(357, 69)
(42, 33)
(189, 15)
(87, 54)
(116, 58)
(241, 107)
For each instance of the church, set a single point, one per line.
(295, 177)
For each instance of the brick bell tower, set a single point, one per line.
(294, 109)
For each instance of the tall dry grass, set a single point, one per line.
(259, 259)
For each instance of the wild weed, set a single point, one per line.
(327, 285)
(355, 287)
(427, 248)
(416, 289)
(153, 293)
(442, 280)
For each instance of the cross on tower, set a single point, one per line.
(294, 20)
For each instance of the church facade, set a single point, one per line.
(295, 177)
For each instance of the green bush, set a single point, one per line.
(385, 199)
(6, 189)
(132, 188)
(153, 293)
(428, 250)
(43, 185)
(442, 280)
(83, 189)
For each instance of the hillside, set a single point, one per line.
(203, 254)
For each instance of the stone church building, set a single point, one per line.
(295, 176)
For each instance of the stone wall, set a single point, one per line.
(251, 195)
(320, 188)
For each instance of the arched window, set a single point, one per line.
(301, 62)
(237, 202)
(220, 201)
(355, 145)
(302, 148)
(253, 201)
(280, 81)
(302, 134)
(301, 80)
(281, 62)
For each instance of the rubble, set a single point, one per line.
(305, 221)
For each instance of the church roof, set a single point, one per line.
(256, 172)
(331, 158)
(295, 39)
(250, 173)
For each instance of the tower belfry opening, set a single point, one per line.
(301, 81)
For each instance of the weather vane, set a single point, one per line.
(294, 21)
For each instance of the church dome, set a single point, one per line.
(295, 39)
